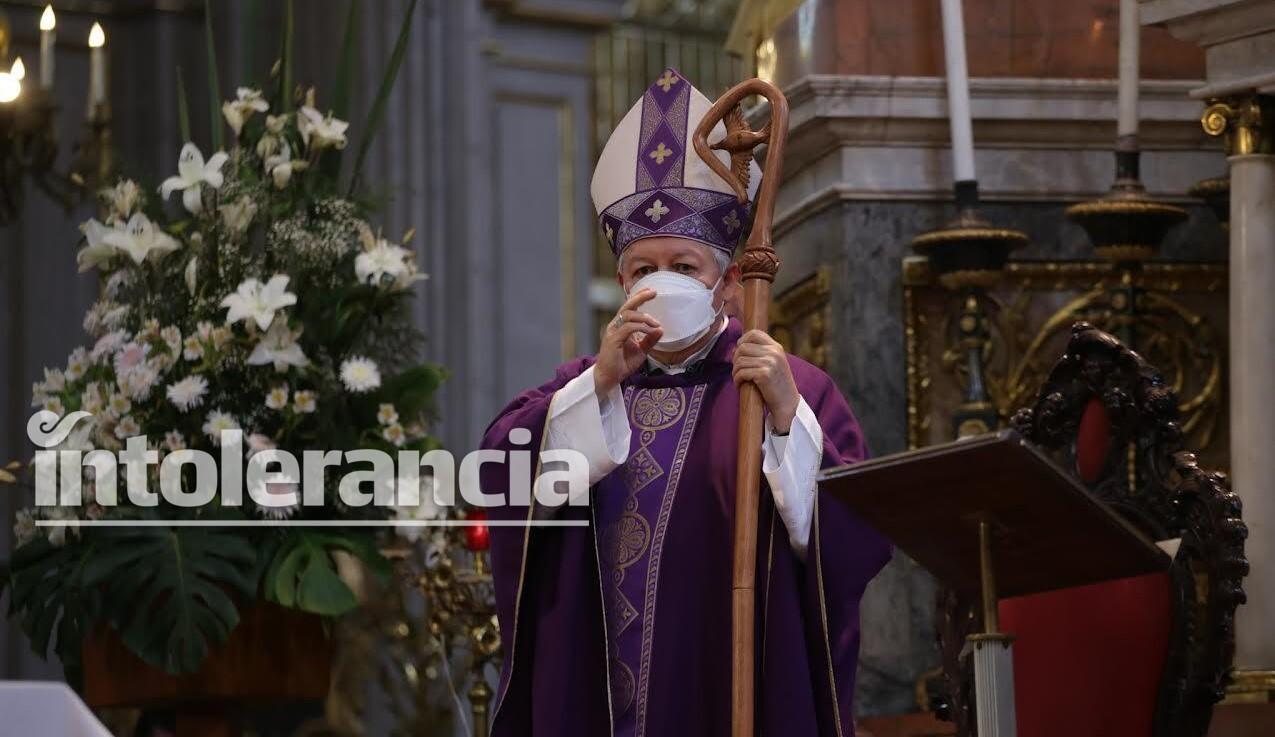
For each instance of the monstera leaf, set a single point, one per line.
(47, 595)
(168, 592)
(303, 574)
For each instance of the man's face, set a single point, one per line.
(679, 255)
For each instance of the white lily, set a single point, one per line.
(192, 173)
(258, 302)
(279, 346)
(98, 251)
(320, 131)
(281, 165)
(381, 259)
(247, 102)
(140, 238)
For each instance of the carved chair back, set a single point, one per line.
(1108, 418)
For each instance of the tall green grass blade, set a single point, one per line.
(382, 95)
(330, 164)
(183, 108)
(214, 83)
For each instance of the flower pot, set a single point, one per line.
(274, 655)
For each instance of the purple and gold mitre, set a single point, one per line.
(649, 181)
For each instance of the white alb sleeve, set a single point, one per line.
(791, 462)
(599, 429)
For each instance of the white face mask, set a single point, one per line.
(683, 305)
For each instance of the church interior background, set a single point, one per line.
(487, 145)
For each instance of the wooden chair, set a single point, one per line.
(1142, 657)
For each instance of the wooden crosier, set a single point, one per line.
(758, 266)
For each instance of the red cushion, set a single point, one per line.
(1093, 440)
(1088, 660)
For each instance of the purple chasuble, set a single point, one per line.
(623, 627)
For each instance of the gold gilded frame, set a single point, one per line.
(1175, 312)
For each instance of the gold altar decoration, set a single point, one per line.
(800, 317)
(1176, 311)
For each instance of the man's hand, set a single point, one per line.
(761, 360)
(625, 342)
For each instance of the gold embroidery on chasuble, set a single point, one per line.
(632, 535)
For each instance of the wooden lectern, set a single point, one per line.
(993, 516)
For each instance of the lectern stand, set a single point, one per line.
(993, 516)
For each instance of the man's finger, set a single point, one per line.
(753, 375)
(641, 317)
(637, 299)
(626, 330)
(648, 342)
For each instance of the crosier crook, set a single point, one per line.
(758, 265)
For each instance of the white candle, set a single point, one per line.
(1130, 31)
(47, 36)
(97, 66)
(958, 92)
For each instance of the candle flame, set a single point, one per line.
(48, 21)
(97, 37)
(10, 88)
(19, 70)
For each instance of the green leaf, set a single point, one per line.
(345, 68)
(47, 595)
(285, 56)
(330, 165)
(412, 391)
(214, 84)
(382, 95)
(248, 30)
(322, 591)
(183, 109)
(168, 592)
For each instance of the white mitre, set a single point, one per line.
(650, 182)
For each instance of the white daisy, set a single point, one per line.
(278, 397)
(304, 401)
(360, 374)
(126, 428)
(172, 336)
(119, 404)
(193, 350)
(77, 364)
(218, 421)
(188, 393)
(174, 440)
(394, 434)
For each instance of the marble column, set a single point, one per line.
(1251, 149)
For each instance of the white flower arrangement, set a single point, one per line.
(258, 302)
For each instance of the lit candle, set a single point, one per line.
(18, 70)
(1127, 122)
(97, 66)
(47, 23)
(958, 92)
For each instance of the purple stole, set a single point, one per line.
(633, 507)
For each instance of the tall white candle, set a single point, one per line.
(958, 92)
(97, 66)
(47, 38)
(1130, 33)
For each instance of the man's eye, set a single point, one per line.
(643, 270)
(683, 268)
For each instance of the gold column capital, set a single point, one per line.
(1246, 123)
